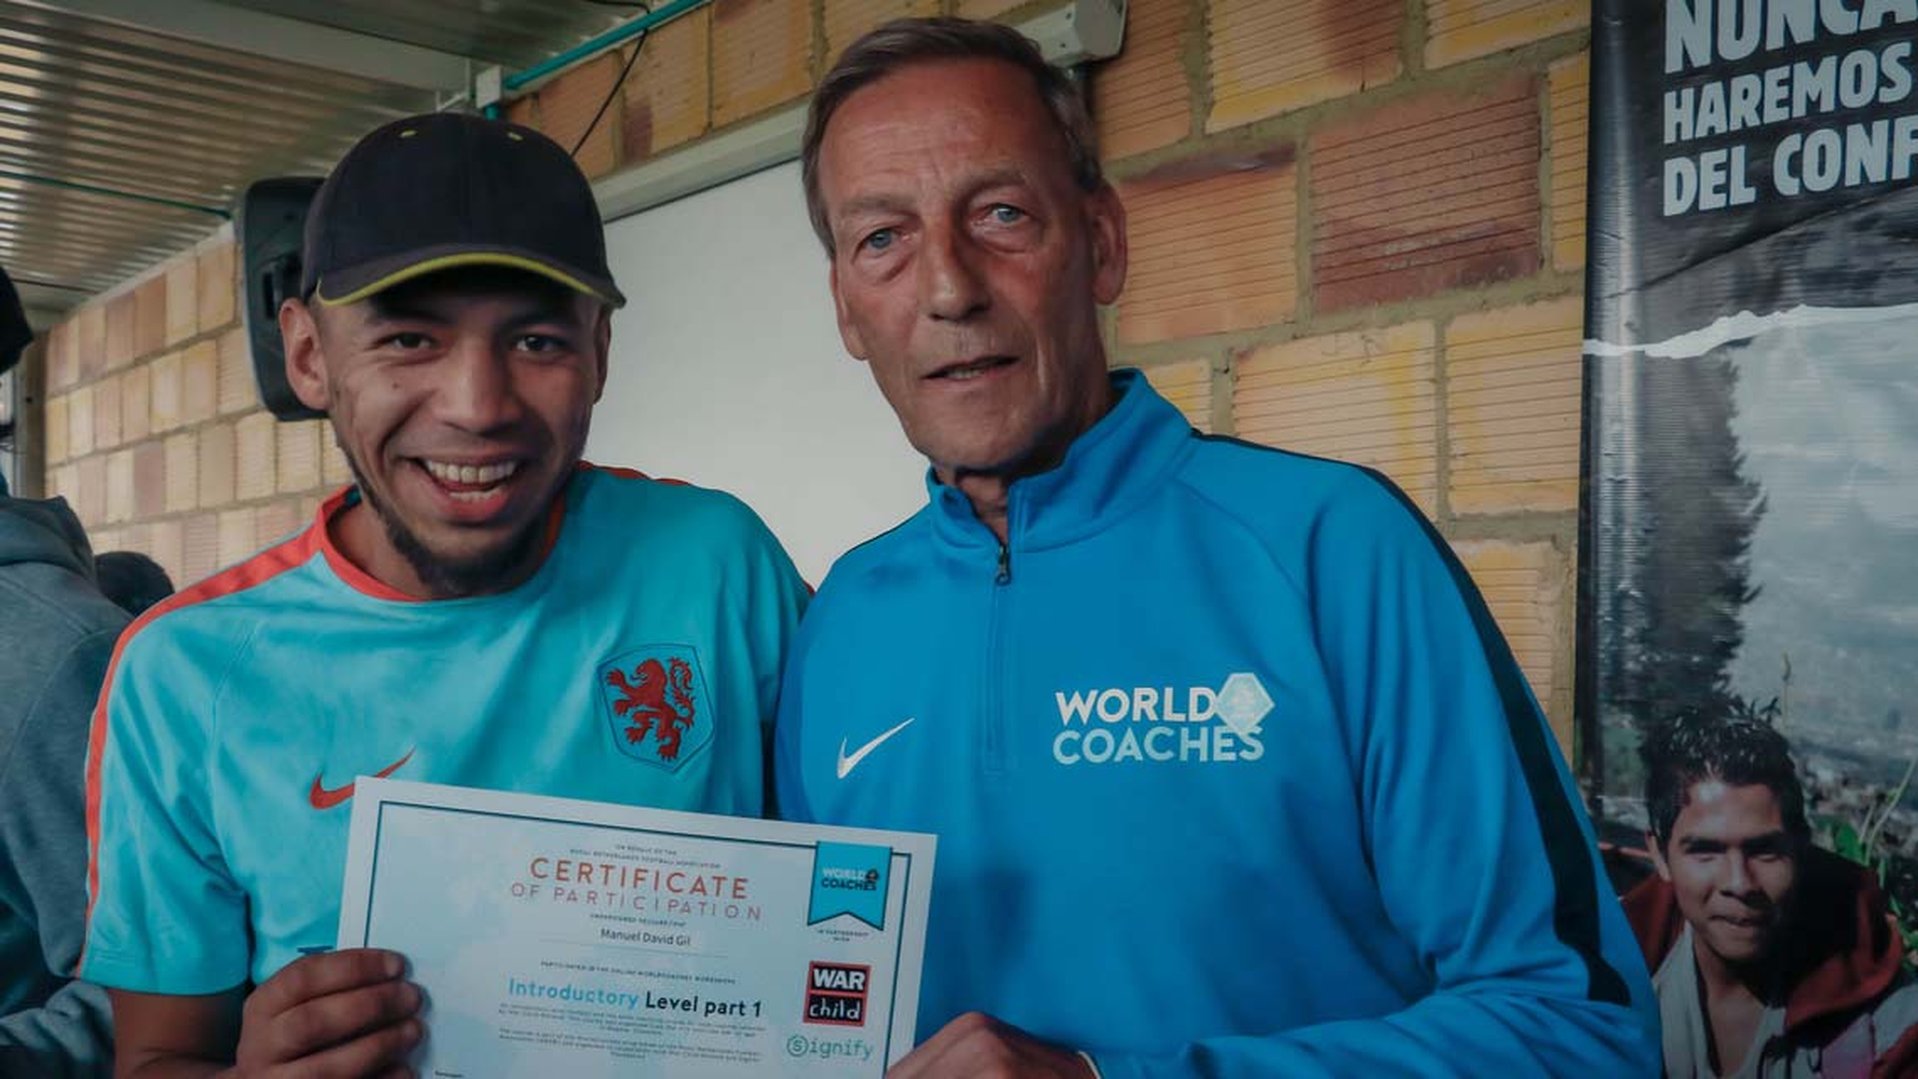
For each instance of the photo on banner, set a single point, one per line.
(1749, 546)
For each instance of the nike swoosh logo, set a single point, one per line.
(321, 798)
(847, 764)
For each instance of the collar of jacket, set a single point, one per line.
(1107, 473)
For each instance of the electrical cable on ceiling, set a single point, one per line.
(638, 44)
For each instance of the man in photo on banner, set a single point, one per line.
(1231, 771)
(1772, 958)
(479, 608)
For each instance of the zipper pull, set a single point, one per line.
(1005, 565)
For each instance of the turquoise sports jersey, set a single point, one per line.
(639, 664)
(1231, 772)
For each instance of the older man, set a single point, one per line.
(462, 614)
(1231, 771)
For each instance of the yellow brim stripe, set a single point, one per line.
(448, 262)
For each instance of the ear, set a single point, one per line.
(305, 358)
(848, 331)
(1658, 857)
(1106, 216)
(602, 349)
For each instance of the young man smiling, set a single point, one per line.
(1772, 958)
(478, 608)
(1231, 772)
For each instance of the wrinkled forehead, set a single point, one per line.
(955, 116)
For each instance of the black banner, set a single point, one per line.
(1749, 554)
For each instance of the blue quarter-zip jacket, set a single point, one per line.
(1231, 771)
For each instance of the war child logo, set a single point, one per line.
(836, 993)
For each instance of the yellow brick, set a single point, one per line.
(568, 104)
(1272, 56)
(182, 472)
(1512, 404)
(106, 413)
(166, 544)
(1188, 385)
(1527, 585)
(89, 498)
(985, 9)
(670, 90)
(218, 465)
(334, 471)
(182, 299)
(200, 383)
(1212, 250)
(1427, 193)
(63, 355)
(1140, 98)
(847, 19)
(136, 403)
(1368, 396)
(120, 486)
(55, 417)
(122, 330)
(238, 540)
(66, 483)
(149, 479)
(1571, 96)
(200, 547)
(149, 331)
(762, 50)
(238, 389)
(1462, 29)
(90, 341)
(299, 456)
(276, 521)
(80, 421)
(169, 398)
(217, 286)
(256, 473)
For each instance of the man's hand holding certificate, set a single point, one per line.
(561, 937)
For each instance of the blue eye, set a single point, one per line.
(1007, 215)
(879, 240)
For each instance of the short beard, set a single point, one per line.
(447, 578)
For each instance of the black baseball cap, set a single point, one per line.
(445, 190)
(15, 334)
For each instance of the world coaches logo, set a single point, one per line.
(1163, 724)
(849, 878)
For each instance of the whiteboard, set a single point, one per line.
(727, 371)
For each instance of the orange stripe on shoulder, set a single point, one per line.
(251, 573)
(629, 473)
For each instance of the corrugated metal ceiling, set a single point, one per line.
(120, 145)
(512, 33)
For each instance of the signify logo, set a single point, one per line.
(1163, 724)
(802, 1045)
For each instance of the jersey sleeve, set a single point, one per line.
(164, 914)
(1484, 860)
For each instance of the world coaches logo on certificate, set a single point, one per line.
(849, 878)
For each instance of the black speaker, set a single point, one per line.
(267, 230)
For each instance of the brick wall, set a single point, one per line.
(1357, 230)
(153, 428)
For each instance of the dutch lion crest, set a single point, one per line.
(656, 700)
